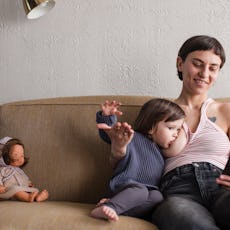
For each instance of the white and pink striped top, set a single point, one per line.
(209, 144)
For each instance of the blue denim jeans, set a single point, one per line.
(193, 199)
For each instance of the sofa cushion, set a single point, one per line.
(60, 216)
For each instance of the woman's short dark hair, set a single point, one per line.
(154, 111)
(7, 147)
(201, 42)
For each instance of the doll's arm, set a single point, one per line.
(2, 189)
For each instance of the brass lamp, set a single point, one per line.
(37, 8)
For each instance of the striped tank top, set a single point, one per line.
(209, 143)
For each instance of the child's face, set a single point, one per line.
(17, 157)
(165, 133)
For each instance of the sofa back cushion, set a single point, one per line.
(67, 157)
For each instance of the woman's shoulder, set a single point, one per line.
(221, 105)
(220, 110)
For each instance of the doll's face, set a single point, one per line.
(17, 157)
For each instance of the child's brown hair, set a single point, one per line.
(154, 111)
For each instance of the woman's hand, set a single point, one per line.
(224, 180)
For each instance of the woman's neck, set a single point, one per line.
(191, 101)
(192, 107)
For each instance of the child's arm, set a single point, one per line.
(120, 134)
(104, 123)
(117, 134)
(107, 117)
(177, 146)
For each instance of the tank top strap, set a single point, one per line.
(202, 122)
(205, 105)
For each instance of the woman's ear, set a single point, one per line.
(179, 63)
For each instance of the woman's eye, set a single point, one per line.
(213, 69)
(197, 64)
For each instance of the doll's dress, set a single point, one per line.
(14, 179)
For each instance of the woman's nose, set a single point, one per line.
(204, 72)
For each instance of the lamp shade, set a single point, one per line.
(37, 8)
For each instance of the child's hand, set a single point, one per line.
(120, 135)
(111, 108)
(2, 189)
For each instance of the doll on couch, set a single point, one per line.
(14, 183)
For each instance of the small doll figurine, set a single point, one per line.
(14, 183)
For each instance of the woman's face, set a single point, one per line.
(199, 70)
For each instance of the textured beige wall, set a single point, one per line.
(94, 47)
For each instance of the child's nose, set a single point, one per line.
(175, 134)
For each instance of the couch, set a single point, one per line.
(66, 157)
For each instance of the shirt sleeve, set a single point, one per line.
(109, 120)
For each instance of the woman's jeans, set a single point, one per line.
(194, 201)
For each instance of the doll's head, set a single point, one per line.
(13, 153)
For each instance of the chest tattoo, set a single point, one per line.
(213, 119)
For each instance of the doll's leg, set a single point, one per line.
(25, 196)
(42, 196)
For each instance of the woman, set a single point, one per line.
(195, 191)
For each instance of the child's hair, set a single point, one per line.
(6, 151)
(154, 111)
